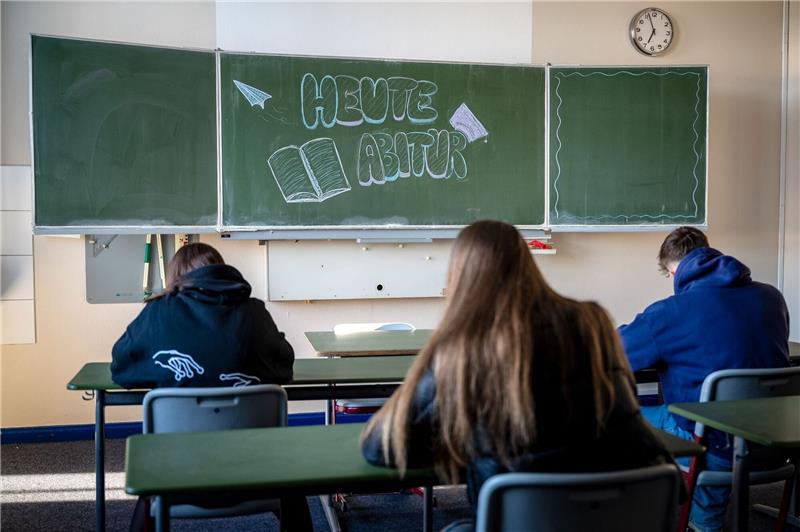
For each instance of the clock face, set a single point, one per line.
(651, 31)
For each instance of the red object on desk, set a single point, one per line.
(536, 244)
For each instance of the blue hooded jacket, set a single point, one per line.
(718, 318)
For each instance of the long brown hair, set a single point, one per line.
(188, 258)
(486, 349)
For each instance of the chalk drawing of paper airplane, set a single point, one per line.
(253, 95)
(465, 121)
(312, 172)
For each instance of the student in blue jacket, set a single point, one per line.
(204, 330)
(515, 378)
(718, 318)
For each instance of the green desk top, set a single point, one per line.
(93, 376)
(773, 421)
(315, 459)
(328, 343)
(307, 371)
(97, 375)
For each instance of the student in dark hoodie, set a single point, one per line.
(204, 330)
(718, 318)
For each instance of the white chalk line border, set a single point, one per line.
(626, 217)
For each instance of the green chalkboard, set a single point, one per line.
(313, 142)
(123, 135)
(628, 145)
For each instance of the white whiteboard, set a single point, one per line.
(319, 270)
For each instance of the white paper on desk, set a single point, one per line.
(350, 328)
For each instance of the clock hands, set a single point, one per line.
(650, 18)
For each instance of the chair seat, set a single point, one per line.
(724, 478)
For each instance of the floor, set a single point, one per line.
(50, 487)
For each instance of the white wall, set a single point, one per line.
(791, 257)
(616, 269)
(447, 31)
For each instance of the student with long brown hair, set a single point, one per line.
(515, 378)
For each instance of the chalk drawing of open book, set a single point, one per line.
(312, 172)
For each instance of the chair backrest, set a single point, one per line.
(207, 409)
(618, 501)
(350, 328)
(734, 384)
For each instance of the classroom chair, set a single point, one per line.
(209, 409)
(618, 501)
(731, 385)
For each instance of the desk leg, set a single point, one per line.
(327, 500)
(162, 515)
(427, 509)
(99, 460)
(330, 513)
(740, 493)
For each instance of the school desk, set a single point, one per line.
(262, 463)
(322, 378)
(772, 422)
(368, 343)
(381, 343)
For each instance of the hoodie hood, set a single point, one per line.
(217, 283)
(707, 267)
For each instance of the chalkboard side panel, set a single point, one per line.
(123, 135)
(628, 147)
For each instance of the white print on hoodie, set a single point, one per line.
(180, 364)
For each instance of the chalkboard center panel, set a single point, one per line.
(346, 142)
(628, 145)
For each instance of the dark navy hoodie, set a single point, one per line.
(209, 333)
(718, 318)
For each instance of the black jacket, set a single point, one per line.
(625, 443)
(210, 333)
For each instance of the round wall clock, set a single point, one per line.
(651, 31)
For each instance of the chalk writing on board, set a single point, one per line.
(350, 101)
(253, 95)
(180, 364)
(239, 379)
(384, 158)
(465, 121)
(570, 217)
(312, 172)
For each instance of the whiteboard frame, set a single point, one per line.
(400, 233)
